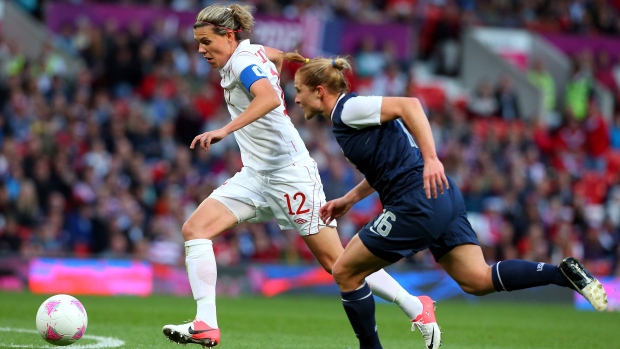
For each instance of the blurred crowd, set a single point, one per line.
(578, 16)
(575, 16)
(98, 163)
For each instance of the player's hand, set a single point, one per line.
(435, 179)
(206, 139)
(334, 209)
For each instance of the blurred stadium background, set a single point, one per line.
(99, 101)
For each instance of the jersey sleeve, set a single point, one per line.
(362, 111)
(248, 69)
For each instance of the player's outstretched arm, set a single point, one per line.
(411, 112)
(338, 207)
(276, 56)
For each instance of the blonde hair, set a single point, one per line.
(235, 18)
(326, 72)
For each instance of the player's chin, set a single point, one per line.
(213, 63)
(309, 115)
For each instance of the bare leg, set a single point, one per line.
(466, 265)
(355, 264)
(326, 247)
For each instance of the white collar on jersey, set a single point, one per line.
(242, 44)
(331, 116)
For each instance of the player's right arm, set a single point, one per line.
(247, 68)
(265, 100)
(338, 207)
(411, 112)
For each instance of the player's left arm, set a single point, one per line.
(411, 112)
(275, 56)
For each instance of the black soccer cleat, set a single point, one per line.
(584, 283)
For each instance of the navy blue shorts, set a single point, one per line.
(437, 224)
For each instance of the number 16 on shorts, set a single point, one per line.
(383, 223)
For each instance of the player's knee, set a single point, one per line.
(328, 268)
(477, 286)
(339, 273)
(474, 279)
(345, 278)
(474, 290)
(200, 229)
(189, 231)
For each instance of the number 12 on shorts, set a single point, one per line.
(302, 198)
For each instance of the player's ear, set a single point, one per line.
(320, 91)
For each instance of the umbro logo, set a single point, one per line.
(300, 221)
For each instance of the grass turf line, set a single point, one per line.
(306, 322)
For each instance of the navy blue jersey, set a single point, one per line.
(386, 154)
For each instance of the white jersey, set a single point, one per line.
(271, 142)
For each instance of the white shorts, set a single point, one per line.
(293, 195)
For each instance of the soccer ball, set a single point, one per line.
(61, 320)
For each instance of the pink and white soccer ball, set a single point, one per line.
(62, 320)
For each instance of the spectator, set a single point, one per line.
(579, 87)
(507, 100)
(571, 142)
(392, 81)
(368, 60)
(604, 72)
(535, 244)
(597, 139)
(27, 205)
(10, 241)
(401, 10)
(447, 33)
(482, 102)
(542, 79)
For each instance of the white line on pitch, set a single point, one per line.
(102, 342)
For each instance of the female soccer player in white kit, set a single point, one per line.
(279, 178)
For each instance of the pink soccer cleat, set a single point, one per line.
(427, 324)
(196, 332)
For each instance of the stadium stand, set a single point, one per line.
(97, 163)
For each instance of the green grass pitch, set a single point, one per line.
(306, 322)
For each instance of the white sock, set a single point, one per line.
(202, 274)
(385, 287)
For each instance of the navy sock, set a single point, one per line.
(516, 274)
(360, 308)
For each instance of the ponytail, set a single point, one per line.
(328, 73)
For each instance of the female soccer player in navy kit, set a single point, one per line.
(423, 208)
(278, 180)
